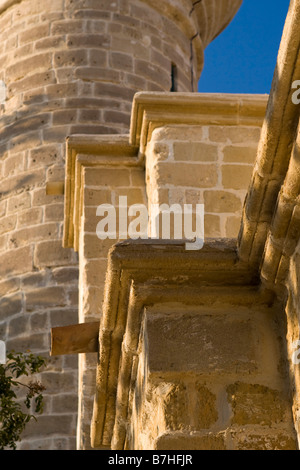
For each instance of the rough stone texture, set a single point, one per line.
(185, 382)
(270, 230)
(293, 331)
(178, 406)
(201, 335)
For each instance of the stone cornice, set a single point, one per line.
(142, 273)
(150, 111)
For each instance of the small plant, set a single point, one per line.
(12, 419)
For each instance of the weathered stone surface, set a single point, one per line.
(208, 344)
(240, 154)
(236, 176)
(221, 201)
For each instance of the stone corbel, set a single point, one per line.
(4, 4)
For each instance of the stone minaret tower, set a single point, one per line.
(73, 67)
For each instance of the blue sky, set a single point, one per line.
(243, 58)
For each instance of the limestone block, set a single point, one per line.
(206, 413)
(173, 399)
(51, 253)
(47, 426)
(258, 404)
(45, 296)
(212, 226)
(13, 165)
(234, 135)
(201, 344)
(54, 212)
(11, 304)
(233, 225)
(7, 223)
(107, 177)
(187, 175)
(16, 261)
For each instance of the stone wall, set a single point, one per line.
(69, 67)
(209, 163)
(101, 186)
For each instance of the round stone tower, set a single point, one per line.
(69, 67)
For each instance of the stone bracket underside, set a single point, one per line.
(143, 273)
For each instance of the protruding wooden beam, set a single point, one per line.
(75, 339)
(55, 188)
